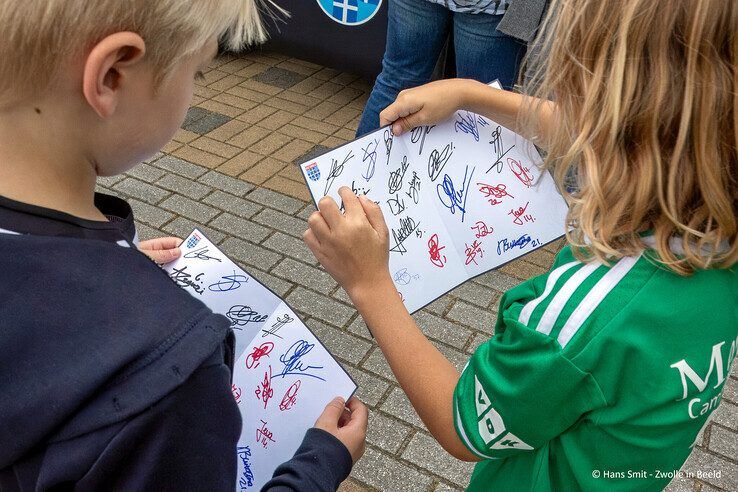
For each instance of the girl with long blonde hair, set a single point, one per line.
(601, 372)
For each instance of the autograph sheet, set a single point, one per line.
(283, 376)
(460, 198)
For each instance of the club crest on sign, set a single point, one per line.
(193, 240)
(350, 12)
(312, 171)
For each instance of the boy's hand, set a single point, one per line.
(348, 426)
(354, 246)
(161, 249)
(425, 105)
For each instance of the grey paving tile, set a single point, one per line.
(189, 208)
(371, 388)
(250, 254)
(182, 227)
(148, 214)
(498, 280)
(180, 166)
(276, 200)
(145, 232)
(194, 114)
(680, 484)
(140, 190)
(279, 77)
(479, 339)
(377, 363)
(233, 204)
(243, 228)
(146, 172)
(339, 343)
(475, 294)
(307, 211)
(724, 442)
(388, 474)
(205, 122)
(109, 181)
(442, 330)
(320, 306)
(727, 415)
(456, 357)
(312, 154)
(226, 183)
(424, 451)
(473, 316)
(305, 275)
(398, 405)
(443, 487)
(184, 186)
(440, 305)
(342, 296)
(704, 463)
(290, 246)
(385, 432)
(358, 327)
(730, 392)
(282, 222)
(279, 286)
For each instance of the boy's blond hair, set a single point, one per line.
(39, 36)
(646, 124)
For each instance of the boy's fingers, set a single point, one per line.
(333, 411)
(318, 226)
(359, 413)
(163, 255)
(329, 210)
(160, 243)
(374, 215)
(350, 201)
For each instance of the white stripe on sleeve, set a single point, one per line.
(553, 310)
(553, 277)
(594, 297)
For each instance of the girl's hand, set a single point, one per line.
(347, 423)
(162, 249)
(425, 105)
(353, 247)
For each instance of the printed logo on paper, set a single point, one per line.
(350, 12)
(193, 240)
(312, 171)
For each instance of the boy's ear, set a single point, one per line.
(107, 66)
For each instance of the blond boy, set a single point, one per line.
(110, 376)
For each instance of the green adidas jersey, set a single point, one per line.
(597, 378)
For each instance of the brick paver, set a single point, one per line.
(232, 171)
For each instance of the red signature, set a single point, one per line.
(236, 393)
(252, 360)
(482, 229)
(494, 193)
(435, 252)
(472, 252)
(520, 172)
(519, 215)
(290, 397)
(264, 436)
(265, 391)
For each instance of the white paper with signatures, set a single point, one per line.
(283, 376)
(460, 198)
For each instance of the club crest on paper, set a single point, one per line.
(313, 172)
(350, 12)
(192, 241)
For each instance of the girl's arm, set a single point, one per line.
(435, 102)
(354, 248)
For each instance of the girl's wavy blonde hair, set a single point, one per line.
(40, 36)
(645, 126)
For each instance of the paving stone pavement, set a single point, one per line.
(231, 171)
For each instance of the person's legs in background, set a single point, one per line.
(416, 33)
(482, 52)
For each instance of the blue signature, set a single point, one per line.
(468, 123)
(457, 199)
(247, 477)
(292, 363)
(505, 245)
(228, 282)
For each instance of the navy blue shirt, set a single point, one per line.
(113, 378)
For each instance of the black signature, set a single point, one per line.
(407, 227)
(201, 254)
(418, 134)
(395, 178)
(184, 279)
(438, 160)
(336, 170)
(498, 146)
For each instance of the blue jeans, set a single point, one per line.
(416, 33)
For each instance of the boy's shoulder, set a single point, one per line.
(94, 327)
